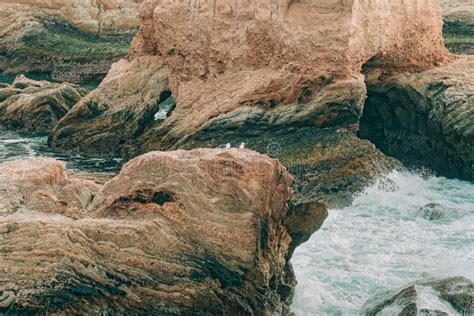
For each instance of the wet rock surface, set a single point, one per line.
(425, 119)
(435, 211)
(36, 106)
(455, 293)
(183, 232)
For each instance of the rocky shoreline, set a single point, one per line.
(321, 102)
(202, 231)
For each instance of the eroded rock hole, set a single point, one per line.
(166, 105)
(149, 196)
(162, 197)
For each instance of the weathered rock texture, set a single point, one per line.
(425, 119)
(41, 185)
(458, 31)
(71, 40)
(457, 292)
(36, 106)
(200, 232)
(283, 77)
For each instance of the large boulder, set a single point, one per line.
(425, 119)
(70, 40)
(36, 106)
(185, 232)
(431, 297)
(284, 78)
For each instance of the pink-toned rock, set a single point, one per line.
(41, 185)
(183, 232)
(217, 58)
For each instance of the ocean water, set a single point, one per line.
(16, 146)
(383, 241)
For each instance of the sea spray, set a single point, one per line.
(383, 241)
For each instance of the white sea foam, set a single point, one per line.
(383, 242)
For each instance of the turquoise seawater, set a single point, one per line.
(383, 241)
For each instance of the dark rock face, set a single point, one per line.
(457, 292)
(36, 106)
(404, 300)
(458, 28)
(202, 232)
(425, 119)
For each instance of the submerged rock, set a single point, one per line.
(435, 211)
(454, 294)
(401, 302)
(425, 119)
(36, 106)
(182, 232)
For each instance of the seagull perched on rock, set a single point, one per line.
(242, 146)
(227, 146)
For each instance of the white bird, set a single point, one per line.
(242, 146)
(227, 146)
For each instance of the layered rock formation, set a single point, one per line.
(72, 40)
(456, 295)
(282, 77)
(425, 119)
(458, 16)
(36, 106)
(198, 232)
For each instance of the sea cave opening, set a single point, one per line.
(401, 121)
(166, 105)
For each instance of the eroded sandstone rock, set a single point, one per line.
(41, 185)
(73, 40)
(184, 232)
(36, 106)
(284, 78)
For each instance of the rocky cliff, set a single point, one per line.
(282, 77)
(185, 232)
(424, 119)
(458, 16)
(69, 40)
